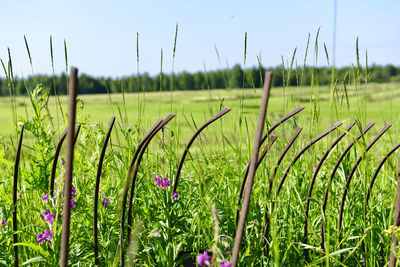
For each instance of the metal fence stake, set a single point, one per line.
(72, 91)
(348, 181)
(252, 171)
(326, 194)
(15, 195)
(314, 177)
(96, 191)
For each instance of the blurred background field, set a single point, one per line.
(382, 106)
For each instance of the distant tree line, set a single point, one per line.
(235, 77)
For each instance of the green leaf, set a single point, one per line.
(7, 162)
(35, 247)
(33, 260)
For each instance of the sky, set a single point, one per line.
(101, 35)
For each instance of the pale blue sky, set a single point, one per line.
(101, 35)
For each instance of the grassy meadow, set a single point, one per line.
(169, 231)
(379, 105)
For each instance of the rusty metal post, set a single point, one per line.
(202, 127)
(96, 191)
(396, 221)
(314, 177)
(283, 154)
(269, 131)
(57, 154)
(139, 159)
(272, 140)
(304, 149)
(374, 176)
(15, 195)
(72, 91)
(298, 155)
(326, 195)
(252, 171)
(348, 181)
(271, 180)
(380, 165)
(124, 194)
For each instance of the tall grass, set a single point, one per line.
(140, 102)
(60, 109)
(11, 85)
(169, 231)
(241, 102)
(173, 63)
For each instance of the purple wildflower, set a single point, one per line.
(40, 237)
(162, 182)
(45, 198)
(48, 235)
(225, 263)
(73, 203)
(315, 166)
(4, 222)
(175, 195)
(105, 201)
(203, 259)
(49, 217)
(73, 196)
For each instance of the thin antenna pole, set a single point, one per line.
(334, 33)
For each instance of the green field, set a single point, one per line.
(381, 106)
(167, 231)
